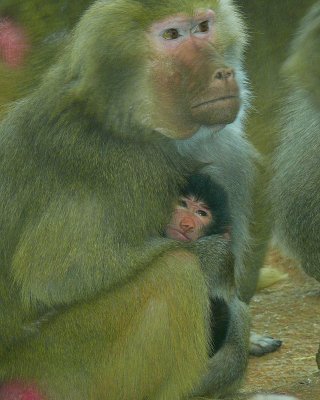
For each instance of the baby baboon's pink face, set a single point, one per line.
(190, 218)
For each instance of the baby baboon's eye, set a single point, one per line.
(202, 213)
(182, 203)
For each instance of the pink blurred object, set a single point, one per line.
(13, 43)
(19, 391)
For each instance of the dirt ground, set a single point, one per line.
(288, 310)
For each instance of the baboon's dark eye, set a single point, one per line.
(202, 27)
(171, 34)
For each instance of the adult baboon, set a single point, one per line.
(90, 164)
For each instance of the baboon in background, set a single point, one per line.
(46, 26)
(90, 164)
(271, 25)
(295, 186)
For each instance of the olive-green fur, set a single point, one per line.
(95, 302)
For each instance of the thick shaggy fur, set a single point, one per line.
(95, 303)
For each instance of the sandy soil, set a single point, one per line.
(288, 310)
